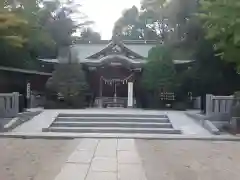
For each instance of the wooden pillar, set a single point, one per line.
(130, 94)
(100, 93)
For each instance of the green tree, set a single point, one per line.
(32, 34)
(11, 30)
(158, 75)
(222, 25)
(89, 35)
(43, 27)
(69, 81)
(159, 72)
(187, 41)
(12, 27)
(134, 25)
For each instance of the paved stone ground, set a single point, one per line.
(186, 124)
(118, 159)
(103, 159)
(190, 160)
(33, 159)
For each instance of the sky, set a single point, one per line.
(105, 13)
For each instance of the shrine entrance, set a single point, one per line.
(113, 85)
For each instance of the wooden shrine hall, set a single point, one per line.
(113, 68)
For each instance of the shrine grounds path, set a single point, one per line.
(33, 159)
(190, 160)
(37, 159)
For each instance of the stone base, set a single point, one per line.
(235, 124)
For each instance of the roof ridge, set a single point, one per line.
(119, 40)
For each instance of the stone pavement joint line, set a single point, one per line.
(103, 159)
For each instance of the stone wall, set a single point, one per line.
(9, 104)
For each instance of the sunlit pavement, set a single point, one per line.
(129, 159)
(104, 159)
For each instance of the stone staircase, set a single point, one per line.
(113, 123)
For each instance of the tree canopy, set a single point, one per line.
(68, 80)
(36, 28)
(11, 29)
(88, 34)
(195, 31)
(134, 25)
(159, 72)
(222, 25)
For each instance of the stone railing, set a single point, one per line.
(218, 104)
(9, 104)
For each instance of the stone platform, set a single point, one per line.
(177, 119)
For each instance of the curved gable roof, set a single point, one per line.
(83, 52)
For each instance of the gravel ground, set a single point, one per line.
(190, 160)
(33, 159)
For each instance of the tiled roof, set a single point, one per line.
(26, 71)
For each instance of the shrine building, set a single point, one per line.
(113, 68)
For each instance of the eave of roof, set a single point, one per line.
(113, 56)
(119, 56)
(49, 60)
(123, 41)
(133, 61)
(26, 71)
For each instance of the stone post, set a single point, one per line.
(15, 104)
(209, 104)
(28, 94)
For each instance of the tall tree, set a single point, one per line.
(11, 30)
(158, 75)
(172, 19)
(34, 32)
(134, 25)
(222, 24)
(13, 35)
(69, 81)
(49, 25)
(89, 35)
(159, 71)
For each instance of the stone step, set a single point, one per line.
(113, 130)
(111, 119)
(111, 124)
(114, 115)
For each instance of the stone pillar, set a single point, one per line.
(209, 104)
(130, 95)
(28, 94)
(100, 103)
(15, 104)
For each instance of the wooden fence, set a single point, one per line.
(9, 104)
